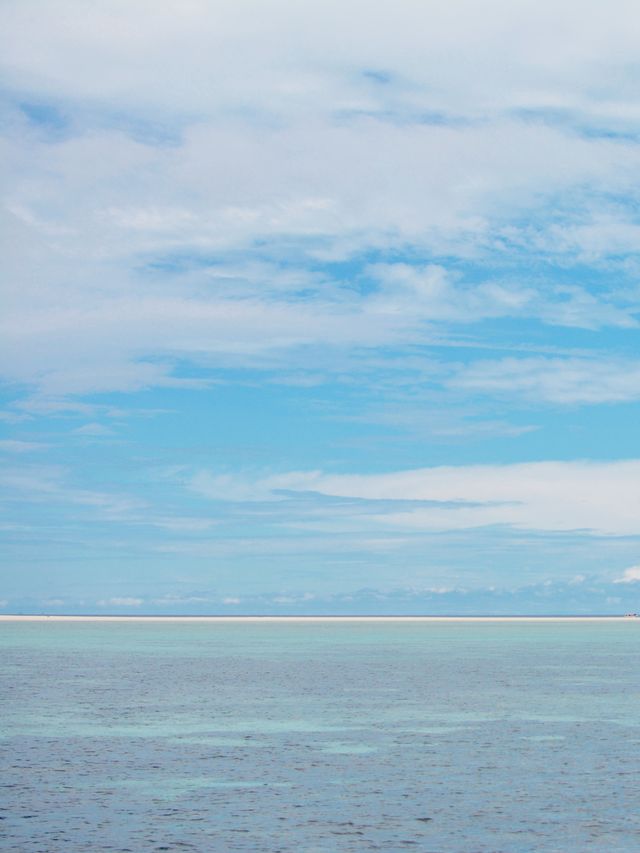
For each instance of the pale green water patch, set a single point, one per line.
(337, 748)
(543, 738)
(173, 788)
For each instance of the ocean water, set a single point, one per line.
(436, 737)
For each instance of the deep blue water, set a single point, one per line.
(431, 737)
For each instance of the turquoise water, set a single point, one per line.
(465, 737)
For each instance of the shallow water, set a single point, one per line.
(464, 737)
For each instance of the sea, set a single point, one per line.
(315, 737)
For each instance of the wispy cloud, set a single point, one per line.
(94, 430)
(226, 264)
(49, 483)
(561, 381)
(552, 496)
(121, 601)
(172, 55)
(18, 446)
(630, 575)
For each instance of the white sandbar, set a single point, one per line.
(309, 619)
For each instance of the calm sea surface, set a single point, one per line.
(320, 737)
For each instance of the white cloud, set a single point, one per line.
(563, 381)
(94, 430)
(316, 160)
(178, 523)
(120, 602)
(594, 497)
(60, 407)
(429, 293)
(49, 483)
(200, 58)
(171, 600)
(294, 599)
(602, 234)
(98, 345)
(15, 446)
(630, 575)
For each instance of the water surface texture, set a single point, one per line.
(320, 737)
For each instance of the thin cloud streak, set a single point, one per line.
(600, 498)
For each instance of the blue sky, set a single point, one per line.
(320, 307)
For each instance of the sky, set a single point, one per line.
(320, 307)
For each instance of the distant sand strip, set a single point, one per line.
(310, 619)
